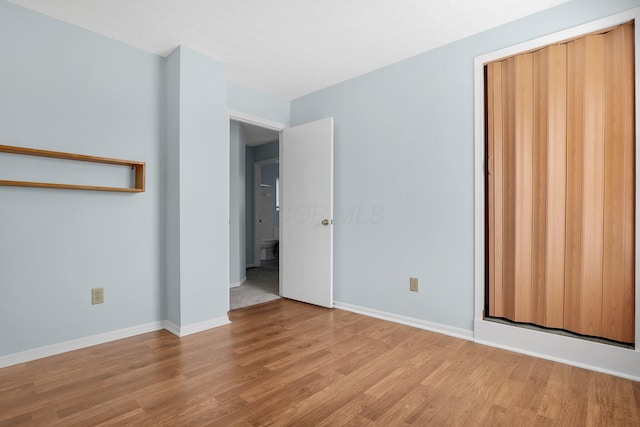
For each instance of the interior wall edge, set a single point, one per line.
(193, 328)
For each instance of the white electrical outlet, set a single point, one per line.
(97, 295)
(413, 284)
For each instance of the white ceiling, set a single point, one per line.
(290, 48)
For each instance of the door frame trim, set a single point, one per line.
(239, 116)
(577, 352)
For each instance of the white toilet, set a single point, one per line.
(266, 248)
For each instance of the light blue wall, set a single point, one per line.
(66, 89)
(254, 154)
(237, 220)
(404, 172)
(260, 104)
(159, 255)
(204, 188)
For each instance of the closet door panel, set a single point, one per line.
(573, 228)
(614, 262)
(556, 185)
(539, 186)
(494, 128)
(593, 187)
(523, 185)
(628, 94)
(509, 188)
(618, 264)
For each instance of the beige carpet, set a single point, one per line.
(261, 286)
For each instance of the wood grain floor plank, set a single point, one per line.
(536, 383)
(270, 403)
(22, 419)
(288, 363)
(412, 404)
(434, 400)
(348, 413)
(395, 386)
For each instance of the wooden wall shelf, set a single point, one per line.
(138, 166)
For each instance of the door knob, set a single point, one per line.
(325, 222)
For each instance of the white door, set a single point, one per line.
(306, 213)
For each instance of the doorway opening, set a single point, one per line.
(254, 214)
(304, 213)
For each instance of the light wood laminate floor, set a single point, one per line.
(288, 363)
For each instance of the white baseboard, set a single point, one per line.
(409, 321)
(253, 265)
(63, 347)
(617, 361)
(599, 357)
(182, 331)
(171, 327)
(236, 284)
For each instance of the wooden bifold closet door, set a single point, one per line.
(561, 185)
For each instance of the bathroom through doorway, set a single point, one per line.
(254, 214)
